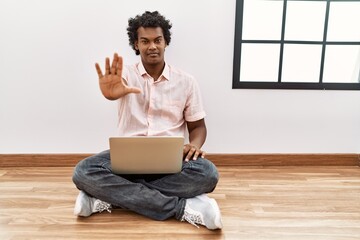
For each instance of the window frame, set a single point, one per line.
(238, 41)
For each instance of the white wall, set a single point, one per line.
(50, 101)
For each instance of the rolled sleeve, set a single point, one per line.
(194, 110)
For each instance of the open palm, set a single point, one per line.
(112, 84)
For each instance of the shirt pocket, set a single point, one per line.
(173, 111)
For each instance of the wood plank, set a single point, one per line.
(69, 160)
(298, 202)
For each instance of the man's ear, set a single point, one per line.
(136, 45)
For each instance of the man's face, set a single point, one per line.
(151, 44)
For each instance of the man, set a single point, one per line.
(155, 99)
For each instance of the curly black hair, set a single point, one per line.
(148, 19)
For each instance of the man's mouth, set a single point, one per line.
(153, 54)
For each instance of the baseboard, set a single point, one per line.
(334, 159)
(70, 160)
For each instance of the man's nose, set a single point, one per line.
(152, 45)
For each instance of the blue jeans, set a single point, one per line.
(155, 196)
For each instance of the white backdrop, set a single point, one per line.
(50, 101)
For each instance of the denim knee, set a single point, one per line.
(209, 172)
(78, 172)
(81, 172)
(90, 165)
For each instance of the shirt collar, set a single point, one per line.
(165, 75)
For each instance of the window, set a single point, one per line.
(297, 44)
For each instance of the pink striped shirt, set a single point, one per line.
(164, 105)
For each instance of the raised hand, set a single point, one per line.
(112, 85)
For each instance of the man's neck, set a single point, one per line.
(155, 70)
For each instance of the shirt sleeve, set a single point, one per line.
(194, 109)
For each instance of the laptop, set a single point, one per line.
(146, 155)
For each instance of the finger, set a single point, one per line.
(185, 152)
(119, 66)
(203, 154)
(185, 149)
(196, 155)
(114, 64)
(133, 90)
(107, 66)
(98, 70)
(189, 154)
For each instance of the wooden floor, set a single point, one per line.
(256, 203)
